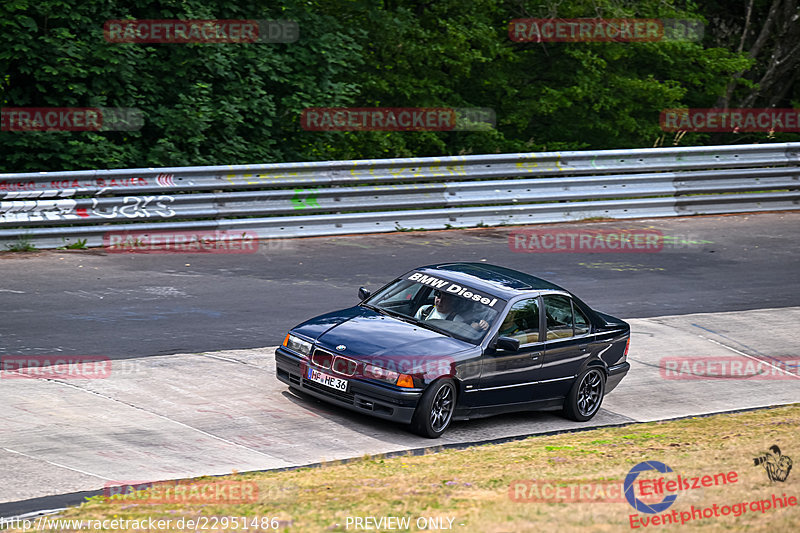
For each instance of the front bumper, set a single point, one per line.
(615, 375)
(362, 396)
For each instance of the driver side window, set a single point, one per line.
(522, 322)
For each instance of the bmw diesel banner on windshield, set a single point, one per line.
(454, 288)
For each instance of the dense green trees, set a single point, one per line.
(208, 104)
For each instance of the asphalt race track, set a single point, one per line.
(175, 406)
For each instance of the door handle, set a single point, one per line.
(584, 347)
(535, 355)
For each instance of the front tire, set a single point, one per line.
(586, 395)
(435, 409)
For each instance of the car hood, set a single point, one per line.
(366, 334)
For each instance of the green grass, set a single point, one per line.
(80, 244)
(472, 486)
(23, 244)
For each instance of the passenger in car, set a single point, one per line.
(509, 326)
(521, 324)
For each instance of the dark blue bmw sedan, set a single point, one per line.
(459, 341)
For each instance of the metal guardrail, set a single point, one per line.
(53, 209)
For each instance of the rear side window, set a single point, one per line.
(564, 318)
(581, 322)
(558, 310)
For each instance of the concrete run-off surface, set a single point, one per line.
(181, 415)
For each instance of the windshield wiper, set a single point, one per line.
(386, 312)
(374, 308)
(400, 316)
(406, 318)
(426, 325)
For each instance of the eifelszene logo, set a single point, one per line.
(630, 495)
(668, 487)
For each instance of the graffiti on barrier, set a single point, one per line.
(130, 207)
(70, 187)
(136, 207)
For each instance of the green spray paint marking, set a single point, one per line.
(301, 200)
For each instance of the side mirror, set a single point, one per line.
(508, 344)
(363, 293)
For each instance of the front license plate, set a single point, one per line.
(325, 379)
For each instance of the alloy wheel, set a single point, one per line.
(442, 408)
(590, 393)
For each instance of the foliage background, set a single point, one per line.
(215, 104)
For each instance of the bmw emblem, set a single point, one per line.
(341, 347)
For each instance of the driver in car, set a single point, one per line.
(446, 307)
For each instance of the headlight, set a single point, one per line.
(389, 376)
(297, 344)
(376, 372)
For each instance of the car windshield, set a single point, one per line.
(444, 306)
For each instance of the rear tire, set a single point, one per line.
(586, 395)
(435, 409)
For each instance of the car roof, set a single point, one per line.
(499, 281)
